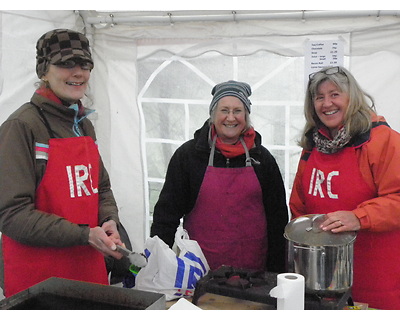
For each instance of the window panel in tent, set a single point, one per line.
(164, 120)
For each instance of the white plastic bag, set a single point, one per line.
(171, 274)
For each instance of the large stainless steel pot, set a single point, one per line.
(324, 259)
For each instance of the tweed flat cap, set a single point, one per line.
(233, 88)
(60, 45)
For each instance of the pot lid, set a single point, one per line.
(305, 230)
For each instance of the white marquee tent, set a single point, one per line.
(154, 72)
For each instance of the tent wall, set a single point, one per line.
(372, 54)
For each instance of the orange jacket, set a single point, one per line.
(379, 162)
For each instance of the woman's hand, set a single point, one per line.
(110, 228)
(340, 221)
(105, 239)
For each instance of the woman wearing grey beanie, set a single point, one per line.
(227, 188)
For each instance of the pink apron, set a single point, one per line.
(334, 182)
(68, 189)
(228, 220)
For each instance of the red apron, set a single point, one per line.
(68, 189)
(334, 182)
(228, 220)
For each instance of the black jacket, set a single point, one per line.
(185, 175)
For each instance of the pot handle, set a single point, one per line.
(316, 222)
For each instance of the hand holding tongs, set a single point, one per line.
(137, 259)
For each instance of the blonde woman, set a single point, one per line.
(58, 216)
(349, 170)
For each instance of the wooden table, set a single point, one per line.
(210, 301)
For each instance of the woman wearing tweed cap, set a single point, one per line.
(227, 188)
(58, 216)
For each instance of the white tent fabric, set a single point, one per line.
(145, 66)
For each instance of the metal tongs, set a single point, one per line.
(137, 259)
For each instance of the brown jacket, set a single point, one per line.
(21, 173)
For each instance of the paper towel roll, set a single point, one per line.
(289, 291)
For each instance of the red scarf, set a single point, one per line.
(49, 94)
(234, 150)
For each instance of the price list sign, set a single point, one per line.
(320, 54)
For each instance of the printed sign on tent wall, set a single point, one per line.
(322, 53)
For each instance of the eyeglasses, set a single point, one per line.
(235, 112)
(329, 71)
(71, 63)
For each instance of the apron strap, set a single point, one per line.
(46, 123)
(248, 159)
(212, 152)
(211, 157)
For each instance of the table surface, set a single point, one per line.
(210, 301)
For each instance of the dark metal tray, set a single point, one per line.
(64, 294)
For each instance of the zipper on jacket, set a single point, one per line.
(227, 162)
(75, 127)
